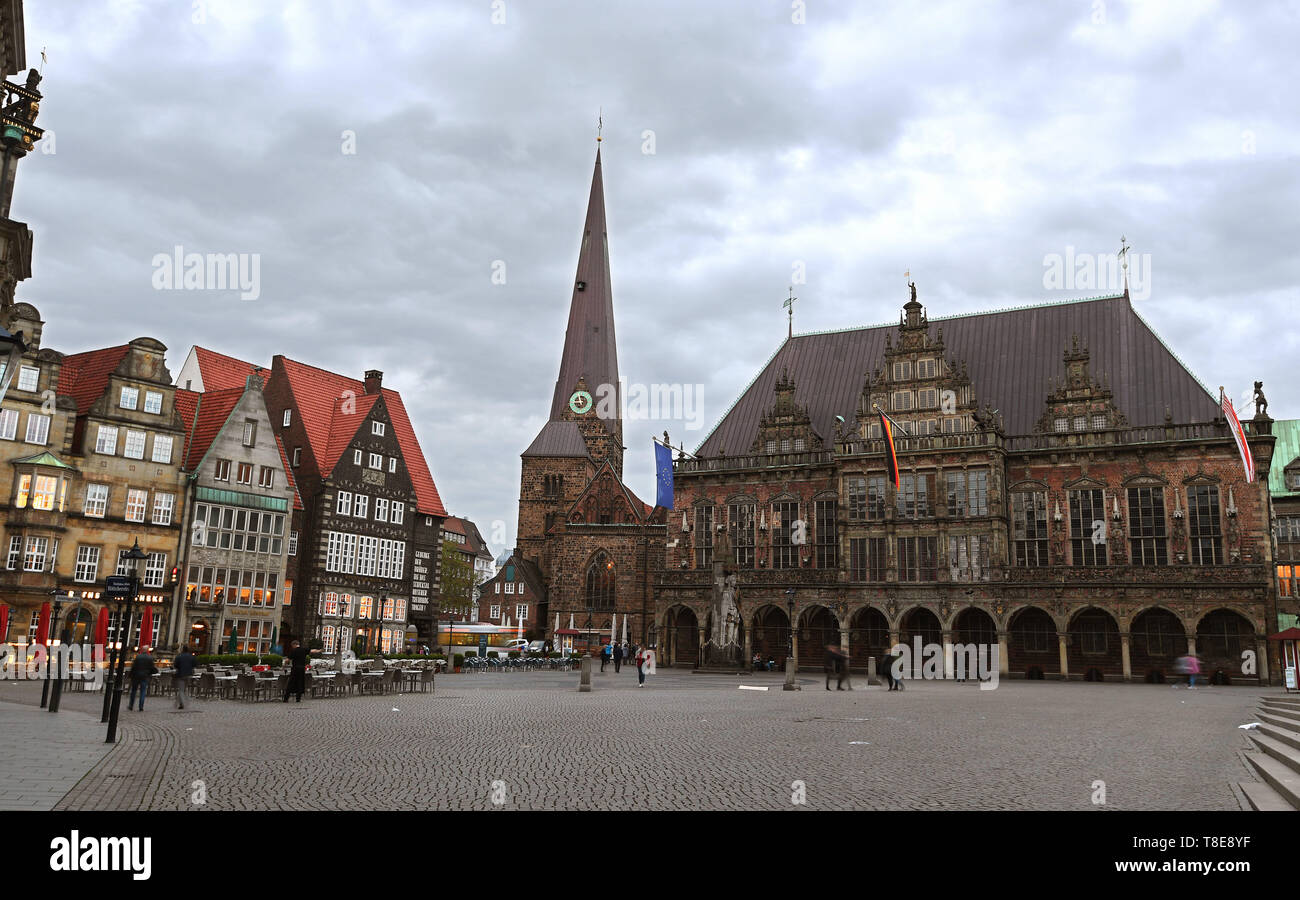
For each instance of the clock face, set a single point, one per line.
(580, 402)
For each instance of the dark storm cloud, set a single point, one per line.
(963, 142)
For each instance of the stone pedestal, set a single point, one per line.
(584, 682)
(790, 684)
(872, 677)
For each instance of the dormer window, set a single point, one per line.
(377, 428)
(1061, 424)
(926, 368)
(903, 370)
(1098, 421)
(129, 398)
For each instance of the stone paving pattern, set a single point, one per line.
(683, 742)
(43, 755)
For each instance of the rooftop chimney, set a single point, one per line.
(374, 380)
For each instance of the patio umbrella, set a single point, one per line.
(234, 634)
(43, 624)
(101, 628)
(557, 624)
(519, 631)
(274, 632)
(146, 628)
(570, 621)
(4, 621)
(625, 628)
(613, 630)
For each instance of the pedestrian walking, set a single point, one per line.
(640, 667)
(142, 670)
(297, 682)
(184, 666)
(884, 669)
(604, 656)
(1193, 669)
(618, 657)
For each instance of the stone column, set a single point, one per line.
(1004, 656)
(949, 669)
(1191, 645)
(893, 638)
(1124, 641)
(844, 644)
(1261, 660)
(749, 646)
(699, 652)
(584, 682)
(1065, 659)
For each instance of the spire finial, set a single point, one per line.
(600, 122)
(1123, 258)
(789, 307)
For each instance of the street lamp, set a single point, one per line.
(54, 628)
(137, 558)
(789, 644)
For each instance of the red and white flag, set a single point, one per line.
(1239, 434)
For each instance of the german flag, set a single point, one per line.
(887, 432)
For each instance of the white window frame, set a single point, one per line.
(381, 509)
(15, 552)
(239, 474)
(87, 567)
(288, 418)
(98, 506)
(221, 470)
(392, 464)
(35, 553)
(376, 461)
(356, 457)
(162, 442)
(137, 494)
(8, 424)
(26, 383)
(343, 503)
(510, 587)
(133, 446)
(163, 506)
(155, 570)
(153, 401)
(377, 428)
(361, 506)
(42, 424)
(397, 514)
(521, 612)
(129, 393)
(106, 440)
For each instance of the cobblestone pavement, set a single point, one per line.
(531, 741)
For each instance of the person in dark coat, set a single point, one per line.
(184, 666)
(142, 668)
(885, 669)
(297, 682)
(618, 657)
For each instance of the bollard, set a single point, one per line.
(584, 685)
(872, 677)
(789, 676)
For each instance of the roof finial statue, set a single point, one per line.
(912, 285)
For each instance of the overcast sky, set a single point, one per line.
(744, 143)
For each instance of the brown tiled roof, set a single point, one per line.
(85, 375)
(558, 439)
(221, 372)
(589, 346)
(1011, 355)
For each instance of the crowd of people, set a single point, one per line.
(628, 652)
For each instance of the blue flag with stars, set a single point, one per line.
(663, 476)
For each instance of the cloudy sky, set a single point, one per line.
(747, 146)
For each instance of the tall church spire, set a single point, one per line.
(589, 348)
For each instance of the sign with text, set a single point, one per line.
(117, 585)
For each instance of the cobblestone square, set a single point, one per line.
(684, 742)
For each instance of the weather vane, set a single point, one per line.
(1123, 258)
(600, 122)
(789, 308)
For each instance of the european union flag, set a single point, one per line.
(663, 476)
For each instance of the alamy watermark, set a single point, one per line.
(643, 402)
(181, 271)
(1098, 272)
(30, 662)
(946, 661)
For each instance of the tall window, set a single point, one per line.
(381, 509)
(343, 503)
(361, 508)
(134, 448)
(741, 519)
(376, 461)
(162, 448)
(785, 555)
(163, 504)
(876, 497)
(34, 558)
(867, 559)
(600, 582)
(38, 428)
(130, 398)
(1204, 538)
(1088, 528)
(15, 551)
(43, 492)
(968, 557)
(8, 424)
(155, 569)
(96, 500)
(1029, 528)
(703, 537)
(106, 440)
(87, 564)
(913, 501)
(153, 402)
(377, 428)
(245, 473)
(855, 496)
(266, 477)
(398, 512)
(250, 433)
(968, 493)
(826, 540)
(136, 501)
(28, 378)
(916, 559)
(1146, 526)
(221, 471)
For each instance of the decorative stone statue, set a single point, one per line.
(1261, 404)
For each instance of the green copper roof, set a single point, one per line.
(1285, 449)
(44, 458)
(240, 498)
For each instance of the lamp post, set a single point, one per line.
(137, 558)
(64, 642)
(789, 644)
(54, 627)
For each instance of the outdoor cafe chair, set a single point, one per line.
(207, 684)
(426, 679)
(389, 680)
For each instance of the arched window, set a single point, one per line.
(600, 582)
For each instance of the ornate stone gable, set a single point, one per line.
(786, 427)
(1078, 403)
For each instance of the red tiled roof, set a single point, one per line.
(344, 425)
(85, 375)
(318, 392)
(288, 473)
(220, 372)
(212, 409)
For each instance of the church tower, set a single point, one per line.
(585, 428)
